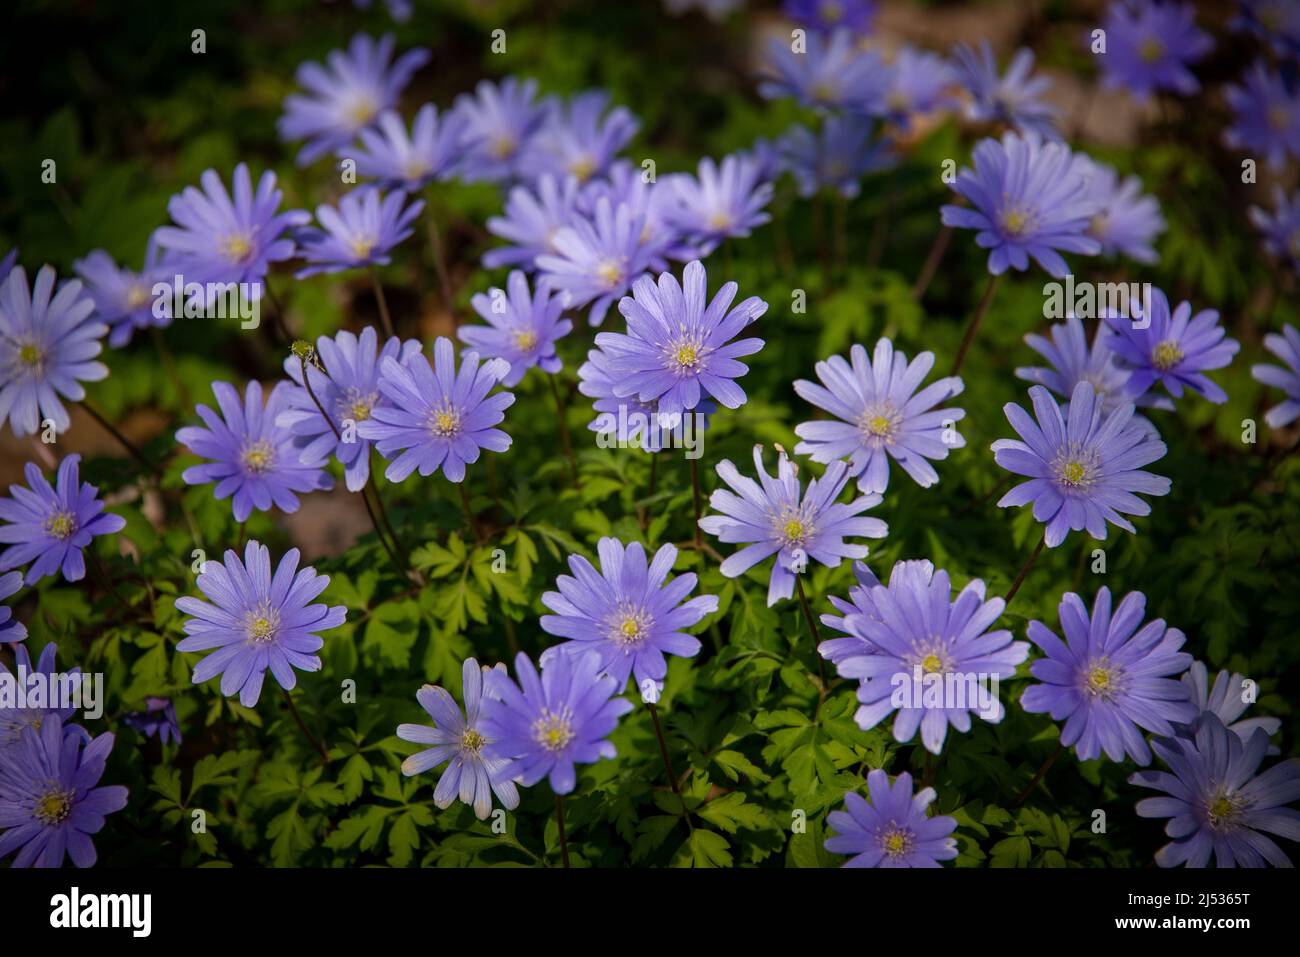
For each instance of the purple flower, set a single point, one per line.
(879, 415)
(778, 518)
(1287, 348)
(436, 417)
(626, 418)
(1152, 46)
(1013, 98)
(1083, 470)
(362, 231)
(835, 158)
(829, 15)
(1276, 22)
(1268, 115)
(253, 458)
(158, 717)
(1174, 349)
(679, 347)
(50, 526)
(1110, 677)
(49, 801)
(256, 621)
(7, 264)
(546, 724)
(522, 328)
(499, 121)
(627, 615)
(47, 349)
(1226, 700)
(580, 139)
(1126, 221)
(1029, 199)
(345, 381)
(892, 830)
(627, 184)
(725, 201)
(1217, 803)
(919, 83)
(456, 738)
(410, 162)
(860, 602)
(596, 259)
(1281, 231)
(1073, 361)
(16, 722)
(11, 629)
(934, 660)
(830, 73)
(124, 299)
(216, 240)
(344, 99)
(533, 215)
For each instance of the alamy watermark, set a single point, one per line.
(1092, 300)
(952, 690)
(659, 430)
(210, 300)
(57, 691)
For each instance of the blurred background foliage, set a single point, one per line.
(113, 93)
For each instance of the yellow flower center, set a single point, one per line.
(823, 92)
(444, 423)
(29, 354)
(525, 339)
(415, 168)
(361, 110)
(630, 628)
(260, 629)
(54, 807)
(136, 297)
(878, 423)
(258, 456)
(60, 525)
(610, 273)
(686, 356)
(503, 147)
(582, 168)
(1073, 473)
(471, 740)
(1098, 225)
(720, 220)
(896, 842)
(1017, 222)
(1166, 355)
(794, 532)
(553, 731)
(362, 246)
(236, 247)
(1101, 681)
(1222, 810)
(1152, 50)
(931, 663)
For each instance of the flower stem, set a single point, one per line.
(973, 325)
(435, 247)
(565, 442)
(169, 364)
(932, 260)
(812, 624)
(668, 765)
(559, 821)
(385, 319)
(311, 738)
(1015, 585)
(1038, 775)
(695, 494)
(469, 511)
(122, 440)
(277, 317)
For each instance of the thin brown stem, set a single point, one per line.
(973, 325)
(122, 440)
(469, 511)
(812, 625)
(565, 441)
(931, 264)
(435, 248)
(559, 822)
(169, 365)
(1038, 775)
(385, 319)
(278, 324)
(315, 742)
(695, 495)
(668, 765)
(1020, 578)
